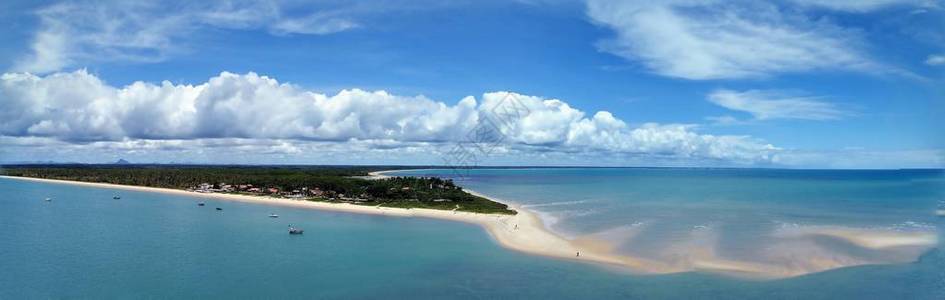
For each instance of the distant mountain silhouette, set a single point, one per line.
(122, 161)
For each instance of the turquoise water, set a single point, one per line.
(84, 244)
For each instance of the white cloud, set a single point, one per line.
(79, 108)
(71, 34)
(860, 6)
(718, 40)
(287, 151)
(935, 60)
(319, 23)
(725, 120)
(767, 105)
(219, 150)
(553, 123)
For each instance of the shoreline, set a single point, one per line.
(522, 232)
(707, 261)
(525, 232)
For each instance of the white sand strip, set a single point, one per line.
(522, 232)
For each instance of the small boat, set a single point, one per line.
(273, 215)
(200, 204)
(48, 199)
(294, 230)
(116, 197)
(219, 208)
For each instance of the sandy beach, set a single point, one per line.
(525, 232)
(522, 232)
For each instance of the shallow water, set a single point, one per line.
(84, 244)
(782, 222)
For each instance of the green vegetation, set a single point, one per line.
(315, 183)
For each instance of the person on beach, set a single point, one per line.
(578, 254)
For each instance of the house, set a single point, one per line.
(273, 190)
(204, 188)
(296, 194)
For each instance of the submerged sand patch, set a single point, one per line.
(796, 250)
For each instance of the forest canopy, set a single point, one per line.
(313, 183)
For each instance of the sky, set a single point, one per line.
(694, 83)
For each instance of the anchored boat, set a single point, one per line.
(294, 230)
(273, 215)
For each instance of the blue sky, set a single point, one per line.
(794, 83)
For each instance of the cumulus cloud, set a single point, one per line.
(935, 60)
(767, 105)
(701, 40)
(79, 108)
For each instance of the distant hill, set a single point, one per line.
(122, 161)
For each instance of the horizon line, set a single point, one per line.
(430, 167)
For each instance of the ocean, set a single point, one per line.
(854, 234)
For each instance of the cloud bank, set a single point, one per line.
(79, 108)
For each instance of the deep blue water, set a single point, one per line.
(84, 244)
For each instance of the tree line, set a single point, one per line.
(426, 192)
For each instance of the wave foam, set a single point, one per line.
(560, 203)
